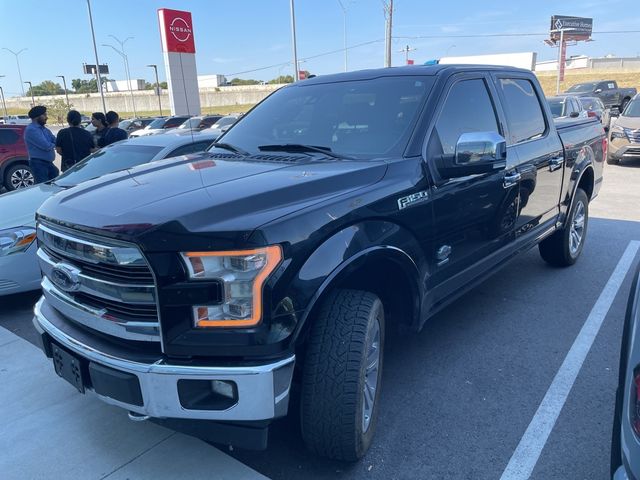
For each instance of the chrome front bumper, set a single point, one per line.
(263, 390)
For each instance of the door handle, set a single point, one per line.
(556, 163)
(511, 179)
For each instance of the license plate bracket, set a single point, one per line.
(68, 367)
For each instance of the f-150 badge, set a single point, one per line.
(404, 202)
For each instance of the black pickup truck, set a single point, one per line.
(204, 292)
(606, 90)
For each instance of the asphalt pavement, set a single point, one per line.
(456, 399)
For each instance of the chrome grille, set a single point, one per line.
(103, 284)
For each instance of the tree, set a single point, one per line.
(84, 86)
(46, 88)
(57, 110)
(240, 81)
(281, 79)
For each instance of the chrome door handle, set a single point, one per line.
(556, 163)
(511, 179)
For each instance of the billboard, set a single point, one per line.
(176, 31)
(575, 28)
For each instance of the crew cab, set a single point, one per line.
(608, 91)
(204, 293)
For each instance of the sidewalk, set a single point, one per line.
(49, 430)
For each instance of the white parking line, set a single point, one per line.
(526, 455)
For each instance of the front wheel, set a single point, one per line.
(342, 375)
(18, 176)
(565, 246)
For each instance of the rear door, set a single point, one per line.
(473, 215)
(8, 141)
(608, 93)
(539, 150)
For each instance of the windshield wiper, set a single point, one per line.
(299, 148)
(231, 148)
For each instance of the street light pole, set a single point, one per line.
(388, 34)
(33, 100)
(124, 58)
(128, 72)
(155, 69)
(17, 63)
(95, 51)
(66, 94)
(296, 75)
(344, 18)
(4, 105)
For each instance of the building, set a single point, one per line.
(121, 85)
(609, 62)
(211, 81)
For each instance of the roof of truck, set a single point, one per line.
(428, 70)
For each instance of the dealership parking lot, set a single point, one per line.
(456, 400)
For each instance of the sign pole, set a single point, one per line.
(561, 60)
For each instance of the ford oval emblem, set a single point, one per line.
(65, 277)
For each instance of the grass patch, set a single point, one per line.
(624, 79)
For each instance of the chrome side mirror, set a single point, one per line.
(480, 148)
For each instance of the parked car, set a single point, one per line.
(337, 206)
(566, 106)
(19, 271)
(195, 124)
(625, 442)
(133, 124)
(17, 120)
(606, 90)
(225, 123)
(159, 125)
(14, 159)
(595, 108)
(624, 134)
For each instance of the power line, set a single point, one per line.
(414, 37)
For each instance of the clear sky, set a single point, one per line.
(234, 36)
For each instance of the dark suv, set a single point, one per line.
(14, 160)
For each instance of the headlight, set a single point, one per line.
(17, 239)
(242, 275)
(618, 132)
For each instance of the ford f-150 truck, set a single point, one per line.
(606, 90)
(205, 292)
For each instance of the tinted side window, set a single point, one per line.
(174, 122)
(190, 148)
(522, 106)
(8, 137)
(468, 108)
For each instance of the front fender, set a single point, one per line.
(346, 251)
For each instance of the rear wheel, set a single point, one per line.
(342, 375)
(565, 246)
(18, 176)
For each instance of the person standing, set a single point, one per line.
(114, 133)
(73, 143)
(40, 146)
(99, 121)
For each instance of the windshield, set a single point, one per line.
(109, 159)
(157, 123)
(362, 119)
(557, 106)
(633, 109)
(191, 123)
(124, 124)
(583, 87)
(224, 121)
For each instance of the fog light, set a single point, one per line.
(223, 388)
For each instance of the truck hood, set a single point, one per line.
(18, 208)
(208, 194)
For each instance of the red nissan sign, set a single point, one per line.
(176, 31)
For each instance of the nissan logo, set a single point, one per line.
(180, 29)
(65, 276)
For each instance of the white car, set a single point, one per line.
(160, 125)
(17, 120)
(19, 270)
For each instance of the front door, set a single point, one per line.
(539, 151)
(474, 215)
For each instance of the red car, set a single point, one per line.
(14, 160)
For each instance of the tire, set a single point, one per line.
(563, 248)
(18, 176)
(344, 342)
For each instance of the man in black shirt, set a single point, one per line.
(114, 133)
(73, 143)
